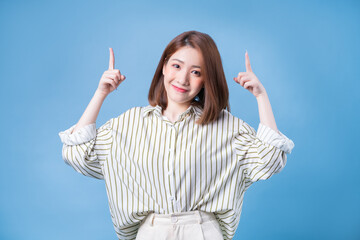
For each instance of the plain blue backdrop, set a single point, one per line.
(305, 53)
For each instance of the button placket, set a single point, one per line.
(178, 206)
(170, 172)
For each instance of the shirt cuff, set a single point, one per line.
(82, 135)
(276, 139)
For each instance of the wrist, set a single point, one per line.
(262, 95)
(100, 94)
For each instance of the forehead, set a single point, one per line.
(188, 55)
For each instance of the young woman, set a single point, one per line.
(179, 167)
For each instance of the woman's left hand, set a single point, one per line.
(249, 80)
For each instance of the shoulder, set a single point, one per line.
(226, 116)
(226, 122)
(235, 123)
(130, 117)
(130, 111)
(134, 113)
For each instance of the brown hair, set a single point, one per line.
(214, 97)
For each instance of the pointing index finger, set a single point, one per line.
(112, 59)
(247, 62)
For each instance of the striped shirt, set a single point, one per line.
(150, 164)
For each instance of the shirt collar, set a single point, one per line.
(157, 110)
(148, 109)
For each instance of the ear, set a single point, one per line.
(163, 68)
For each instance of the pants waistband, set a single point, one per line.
(190, 217)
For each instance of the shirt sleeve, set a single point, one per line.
(87, 148)
(263, 153)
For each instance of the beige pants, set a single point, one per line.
(194, 225)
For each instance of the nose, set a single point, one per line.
(183, 78)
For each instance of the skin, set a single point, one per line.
(109, 81)
(250, 82)
(184, 78)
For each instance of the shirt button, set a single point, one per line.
(170, 172)
(171, 198)
(174, 219)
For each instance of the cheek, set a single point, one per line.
(198, 83)
(169, 75)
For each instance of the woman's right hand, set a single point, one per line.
(111, 78)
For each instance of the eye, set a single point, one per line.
(196, 73)
(176, 66)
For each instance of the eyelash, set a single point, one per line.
(177, 66)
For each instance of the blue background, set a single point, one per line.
(306, 54)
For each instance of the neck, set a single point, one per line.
(173, 111)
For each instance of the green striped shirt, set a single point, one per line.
(150, 164)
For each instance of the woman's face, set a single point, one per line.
(183, 76)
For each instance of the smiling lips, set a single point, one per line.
(179, 89)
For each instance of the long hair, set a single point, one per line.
(214, 97)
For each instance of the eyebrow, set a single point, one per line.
(196, 66)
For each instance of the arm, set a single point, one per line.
(84, 146)
(265, 112)
(109, 81)
(262, 153)
(91, 112)
(86, 149)
(250, 82)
